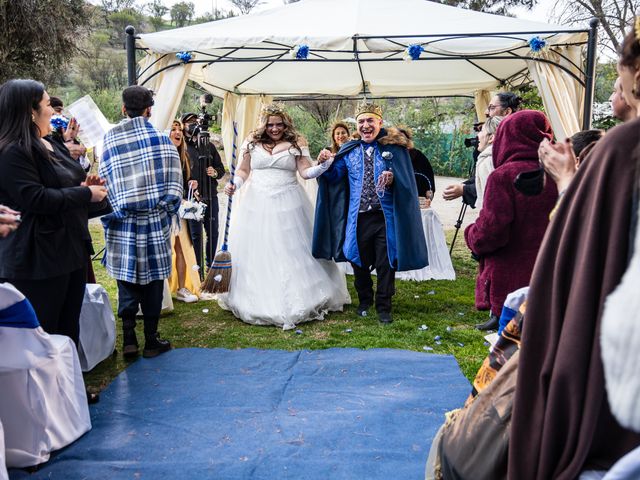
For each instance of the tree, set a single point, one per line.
(156, 10)
(182, 13)
(218, 14)
(37, 39)
(100, 67)
(116, 5)
(245, 6)
(615, 17)
(118, 21)
(498, 7)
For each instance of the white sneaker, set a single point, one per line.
(184, 295)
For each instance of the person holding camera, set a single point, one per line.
(502, 105)
(206, 168)
(510, 227)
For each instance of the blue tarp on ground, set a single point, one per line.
(266, 414)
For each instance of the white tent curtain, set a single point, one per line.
(482, 99)
(562, 95)
(168, 86)
(244, 110)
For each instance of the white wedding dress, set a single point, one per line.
(275, 280)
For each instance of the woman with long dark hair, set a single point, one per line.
(184, 280)
(46, 258)
(339, 136)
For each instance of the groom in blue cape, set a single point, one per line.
(367, 211)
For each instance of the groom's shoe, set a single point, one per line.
(385, 318)
(362, 309)
(491, 324)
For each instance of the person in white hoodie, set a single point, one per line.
(484, 165)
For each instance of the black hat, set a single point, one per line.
(137, 98)
(188, 116)
(56, 102)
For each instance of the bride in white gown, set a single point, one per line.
(275, 280)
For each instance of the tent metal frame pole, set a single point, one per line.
(590, 73)
(131, 54)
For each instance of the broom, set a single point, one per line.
(219, 275)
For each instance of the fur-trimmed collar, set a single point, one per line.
(392, 136)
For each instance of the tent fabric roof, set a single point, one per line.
(358, 46)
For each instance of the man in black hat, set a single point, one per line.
(207, 168)
(142, 170)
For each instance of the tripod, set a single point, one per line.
(202, 146)
(463, 209)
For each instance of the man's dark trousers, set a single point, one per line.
(372, 245)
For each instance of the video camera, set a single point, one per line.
(205, 118)
(472, 142)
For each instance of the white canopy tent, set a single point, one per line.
(356, 49)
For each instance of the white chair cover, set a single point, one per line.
(3, 464)
(97, 327)
(43, 405)
(440, 266)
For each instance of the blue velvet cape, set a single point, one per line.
(334, 233)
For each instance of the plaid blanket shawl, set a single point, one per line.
(144, 179)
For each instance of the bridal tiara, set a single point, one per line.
(275, 109)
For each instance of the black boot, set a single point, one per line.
(129, 340)
(385, 318)
(153, 344)
(491, 324)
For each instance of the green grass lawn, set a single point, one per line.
(445, 307)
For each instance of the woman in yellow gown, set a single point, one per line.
(184, 281)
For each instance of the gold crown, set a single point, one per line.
(370, 108)
(276, 109)
(636, 28)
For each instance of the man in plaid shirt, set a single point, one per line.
(144, 179)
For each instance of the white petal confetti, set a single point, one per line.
(205, 310)
(427, 349)
(195, 268)
(218, 278)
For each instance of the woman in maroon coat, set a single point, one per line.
(509, 230)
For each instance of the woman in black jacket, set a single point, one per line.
(46, 258)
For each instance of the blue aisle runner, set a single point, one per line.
(266, 414)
